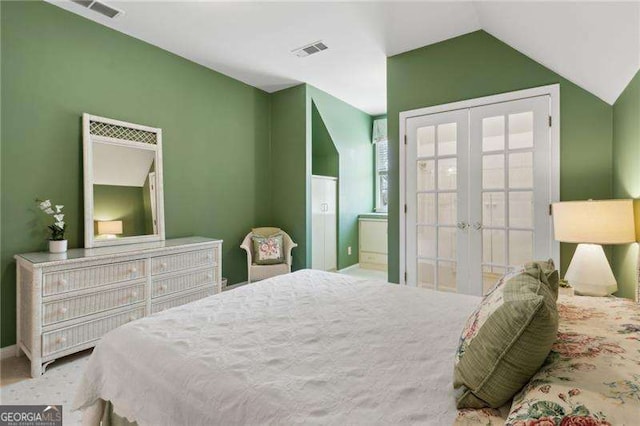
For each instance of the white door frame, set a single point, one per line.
(152, 201)
(553, 91)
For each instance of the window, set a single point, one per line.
(382, 175)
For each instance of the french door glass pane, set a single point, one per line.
(493, 208)
(493, 246)
(447, 208)
(447, 173)
(493, 133)
(426, 141)
(447, 242)
(426, 175)
(447, 136)
(521, 130)
(490, 276)
(447, 276)
(493, 171)
(436, 162)
(521, 209)
(426, 241)
(426, 209)
(520, 247)
(426, 273)
(521, 170)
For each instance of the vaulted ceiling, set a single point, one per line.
(594, 44)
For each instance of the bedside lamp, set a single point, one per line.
(590, 224)
(109, 228)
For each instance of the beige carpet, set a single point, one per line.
(369, 274)
(57, 386)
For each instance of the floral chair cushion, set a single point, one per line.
(592, 375)
(268, 250)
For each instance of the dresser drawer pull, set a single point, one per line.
(62, 282)
(163, 287)
(61, 339)
(163, 265)
(134, 294)
(62, 310)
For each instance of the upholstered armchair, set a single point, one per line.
(260, 272)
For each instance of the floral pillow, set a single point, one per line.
(481, 416)
(268, 250)
(592, 375)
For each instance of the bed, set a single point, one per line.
(591, 377)
(309, 347)
(320, 348)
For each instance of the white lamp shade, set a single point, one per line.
(595, 222)
(110, 227)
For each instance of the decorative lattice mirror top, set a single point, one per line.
(98, 128)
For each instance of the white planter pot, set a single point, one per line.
(57, 246)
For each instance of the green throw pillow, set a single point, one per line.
(507, 338)
(268, 250)
(553, 277)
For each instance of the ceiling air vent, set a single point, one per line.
(101, 8)
(309, 49)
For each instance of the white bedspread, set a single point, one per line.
(310, 347)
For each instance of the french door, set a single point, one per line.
(477, 194)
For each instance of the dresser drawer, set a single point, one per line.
(77, 279)
(61, 340)
(181, 300)
(377, 258)
(186, 260)
(179, 283)
(74, 307)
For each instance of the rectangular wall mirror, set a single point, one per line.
(123, 197)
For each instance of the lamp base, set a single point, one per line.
(589, 272)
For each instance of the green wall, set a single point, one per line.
(350, 130)
(292, 133)
(626, 179)
(324, 156)
(478, 64)
(57, 65)
(291, 168)
(125, 203)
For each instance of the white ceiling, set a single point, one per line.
(594, 44)
(121, 166)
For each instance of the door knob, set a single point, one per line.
(462, 225)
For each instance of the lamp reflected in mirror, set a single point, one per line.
(109, 229)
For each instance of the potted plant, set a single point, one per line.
(57, 243)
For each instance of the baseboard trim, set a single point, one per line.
(236, 285)
(8, 352)
(357, 265)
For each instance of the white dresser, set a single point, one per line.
(373, 241)
(67, 301)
